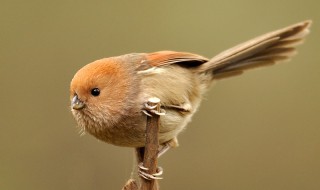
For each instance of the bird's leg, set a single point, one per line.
(186, 107)
(167, 145)
(151, 108)
(163, 150)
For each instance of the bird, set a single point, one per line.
(108, 95)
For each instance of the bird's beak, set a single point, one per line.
(76, 103)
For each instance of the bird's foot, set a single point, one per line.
(143, 173)
(152, 107)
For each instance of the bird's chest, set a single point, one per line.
(128, 131)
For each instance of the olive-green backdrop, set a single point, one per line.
(258, 131)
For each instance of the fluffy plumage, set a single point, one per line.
(122, 84)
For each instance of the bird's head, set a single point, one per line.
(99, 92)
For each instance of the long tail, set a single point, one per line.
(267, 49)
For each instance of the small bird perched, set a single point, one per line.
(108, 95)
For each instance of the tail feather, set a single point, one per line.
(264, 50)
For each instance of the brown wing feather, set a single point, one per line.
(162, 58)
(263, 50)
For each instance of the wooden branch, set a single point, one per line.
(150, 159)
(148, 155)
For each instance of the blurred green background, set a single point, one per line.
(257, 131)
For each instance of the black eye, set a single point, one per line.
(95, 92)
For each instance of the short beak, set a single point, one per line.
(76, 103)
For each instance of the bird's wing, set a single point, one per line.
(162, 58)
(264, 50)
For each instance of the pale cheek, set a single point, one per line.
(77, 116)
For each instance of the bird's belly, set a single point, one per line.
(132, 132)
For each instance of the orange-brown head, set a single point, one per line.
(100, 93)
